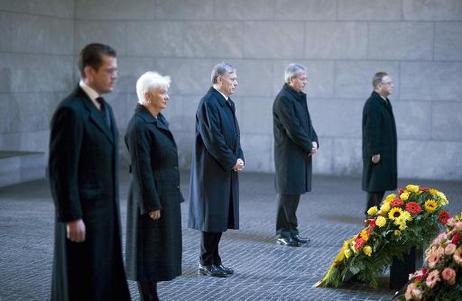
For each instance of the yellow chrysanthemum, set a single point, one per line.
(404, 196)
(347, 253)
(430, 206)
(397, 233)
(402, 226)
(364, 235)
(412, 188)
(433, 191)
(395, 213)
(401, 222)
(367, 250)
(380, 221)
(444, 201)
(385, 208)
(406, 216)
(372, 210)
(390, 198)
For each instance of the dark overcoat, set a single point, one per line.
(153, 249)
(214, 204)
(293, 137)
(83, 176)
(379, 137)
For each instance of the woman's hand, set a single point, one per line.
(154, 215)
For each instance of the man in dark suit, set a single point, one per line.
(295, 143)
(217, 159)
(83, 166)
(379, 142)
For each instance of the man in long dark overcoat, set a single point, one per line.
(379, 142)
(217, 159)
(82, 165)
(295, 143)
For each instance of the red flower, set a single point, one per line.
(421, 274)
(359, 242)
(444, 216)
(371, 227)
(397, 203)
(372, 223)
(456, 238)
(401, 190)
(413, 208)
(424, 189)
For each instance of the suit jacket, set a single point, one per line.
(379, 137)
(153, 249)
(293, 137)
(214, 205)
(83, 167)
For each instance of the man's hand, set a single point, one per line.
(154, 215)
(314, 148)
(76, 231)
(376, 158)
(239, 165)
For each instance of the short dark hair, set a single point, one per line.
(92, 55)
(377, 79)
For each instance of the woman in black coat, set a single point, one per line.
(153, 249)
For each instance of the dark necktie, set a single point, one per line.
(105, 111)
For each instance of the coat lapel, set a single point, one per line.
(95, 116)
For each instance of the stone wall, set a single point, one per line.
(36, 69)
(342, 42)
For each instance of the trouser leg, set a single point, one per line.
(209, 248)
(148, 290)
(374, 199)
(286, 218)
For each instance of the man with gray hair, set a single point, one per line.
(295, 143)
(217, 160)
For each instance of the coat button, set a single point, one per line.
(178, 186)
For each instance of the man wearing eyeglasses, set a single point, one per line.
(379, 142)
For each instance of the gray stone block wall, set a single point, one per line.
(36, 69)
(342, 42)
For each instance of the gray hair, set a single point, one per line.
(377, 79)
(293, 71)
(221, 69)
(149, 81)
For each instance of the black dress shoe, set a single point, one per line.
(287, 241)
(300, 239)
(211, 270)
(227, 270)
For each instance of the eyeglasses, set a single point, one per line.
(387, 83)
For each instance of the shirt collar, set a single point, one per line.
(226, 97)
(92, 94)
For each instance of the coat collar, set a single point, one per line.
(380, 99)
(218, 96)
(144, 114)
(291, 91)
(95, 114)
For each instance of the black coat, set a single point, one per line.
(214, 205)
(153, 249)
(83, 166)
(379, 137)
(293, 137)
